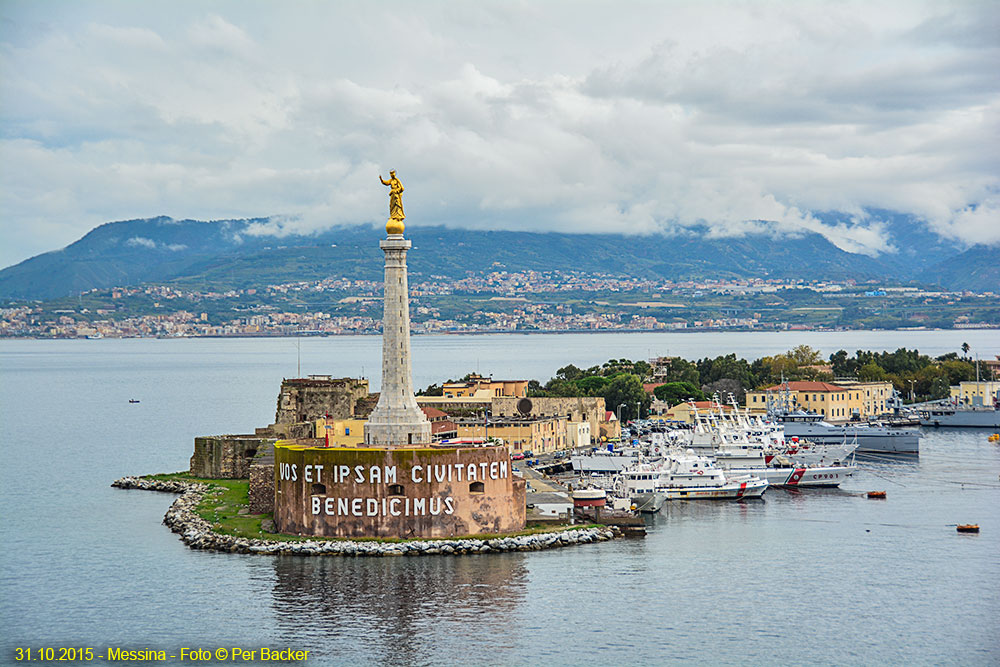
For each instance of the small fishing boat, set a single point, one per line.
(133, 400)
(968, 528)
(876, 494)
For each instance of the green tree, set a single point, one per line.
(872, 372)
(677, 392)
(626, 390)
(433, 390)
(681, 370)
(803, 355)
(958, 371)
(569, 372)
(593, 385)
(843, 365)
(726, 367)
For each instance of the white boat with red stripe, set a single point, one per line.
(687, 476)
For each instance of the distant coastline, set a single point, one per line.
(504, 332)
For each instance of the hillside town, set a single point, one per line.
(498, 301)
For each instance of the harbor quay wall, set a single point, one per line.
(407, 492)
(225, 456)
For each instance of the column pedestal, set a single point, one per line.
(396, 419)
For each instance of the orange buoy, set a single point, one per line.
(968, 528)
(876, 494)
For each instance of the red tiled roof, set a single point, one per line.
(433, 413)
(650, 386)
(443, 426)
(807, 385)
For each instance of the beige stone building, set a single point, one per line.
(976, 393)
(521, 434)
(590, 409)
(479, 386)
(838, 402)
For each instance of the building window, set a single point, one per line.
(319, 489)
(395, 489)
(477, 487)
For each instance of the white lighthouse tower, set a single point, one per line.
(396, 419)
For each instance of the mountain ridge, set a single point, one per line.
(235, 253)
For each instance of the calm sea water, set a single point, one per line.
(819, 577)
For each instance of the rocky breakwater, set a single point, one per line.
(197, 533)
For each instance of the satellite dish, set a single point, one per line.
(524, 406)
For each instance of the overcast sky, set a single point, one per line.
(570, 116)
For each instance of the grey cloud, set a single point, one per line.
(681, 117)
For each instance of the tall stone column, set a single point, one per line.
(396, 419)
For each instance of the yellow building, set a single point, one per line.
(342, 432)
(480, 387)
(976, 393)
(836, 402)
(533, 434)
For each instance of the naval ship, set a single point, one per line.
(871, 437)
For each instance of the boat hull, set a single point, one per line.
(730, 491)
(648, 503)
(982, 418)
(871, 440)
(798, 477)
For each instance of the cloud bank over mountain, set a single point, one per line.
(627, 117)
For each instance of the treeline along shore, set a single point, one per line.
(626, 383)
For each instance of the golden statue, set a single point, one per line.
(395, 224)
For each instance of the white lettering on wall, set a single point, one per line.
(415, 474)
(387, 507)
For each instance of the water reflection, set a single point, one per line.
(398, 610)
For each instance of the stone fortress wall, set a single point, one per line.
(225, 456)
(308, 399)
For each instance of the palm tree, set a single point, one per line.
(965, 349)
